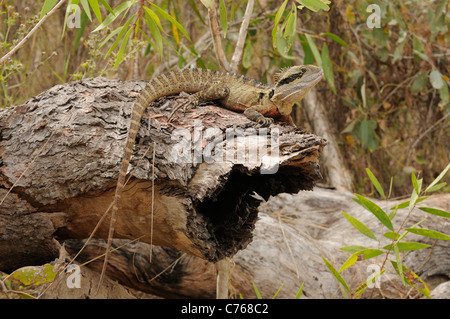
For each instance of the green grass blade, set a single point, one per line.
(279, 289)
(299, 293)
(122, 48)
(258, 294)
(96, 8)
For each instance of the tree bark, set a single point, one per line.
(60, 156)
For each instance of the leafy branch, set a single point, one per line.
(397, 244)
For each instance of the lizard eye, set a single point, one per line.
(303, 70)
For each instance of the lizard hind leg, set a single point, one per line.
(209, 94)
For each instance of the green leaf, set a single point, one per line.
(336, 274)
(278, 16)
(80, 31)
(328, 68)
(352, 248)
(48, 5)
(153, 27)
(436, 79)
(413, 199)
(122, 48)
(428, 233)
(391, 235)
(121, 34)
(106, 5)
(375, 210)
(247, 55)
(375, 183)
(223, 17)
(359, 226)
(314, 5)
(171, 19)
(435, 211)
(399, 264)
(335, 38)
(95, 7)
(86, 9)
(367, 134)
(361, 255)
(314, 50)
(309, 57)
(408, 246)
(411, 278)
(406, 204)
(441, 175)
(113, 16)
(419, 83)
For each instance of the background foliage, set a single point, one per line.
(386, 87)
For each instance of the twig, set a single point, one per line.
(21, 43)
(215, 30)
(242, 36)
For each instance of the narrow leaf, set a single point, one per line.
(85, 5)
(428, 233)
(314, 50)
(352, 248)
(406, 204)
(279, 289)
(122, 48)
(48, 5)
(328, 68)
(299, 293)
(112, 16)
(442, 174)
(335, 38)
(376, 183)
(336, 274)
(258, 294)
(411, 278)
(95, 7)
(408, 246)
(278, 16)
(435, 211)
(359, 226)
(223, 17)
(375, 210)
(172, 20)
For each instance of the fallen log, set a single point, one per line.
(195, 183)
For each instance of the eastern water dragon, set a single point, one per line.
(261, 103)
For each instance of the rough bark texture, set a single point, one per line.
(70, 184)
(62, 149)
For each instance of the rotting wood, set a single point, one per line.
(78, 129)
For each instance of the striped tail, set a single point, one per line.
(165, 84)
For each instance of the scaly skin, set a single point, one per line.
(259, 102)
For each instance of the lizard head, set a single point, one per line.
(292, 84)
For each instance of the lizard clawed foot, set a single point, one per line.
(265, 121)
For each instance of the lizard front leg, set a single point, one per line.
(209, 94)
(255, 113)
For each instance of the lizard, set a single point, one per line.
(261, 103)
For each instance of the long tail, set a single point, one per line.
(162, 85)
